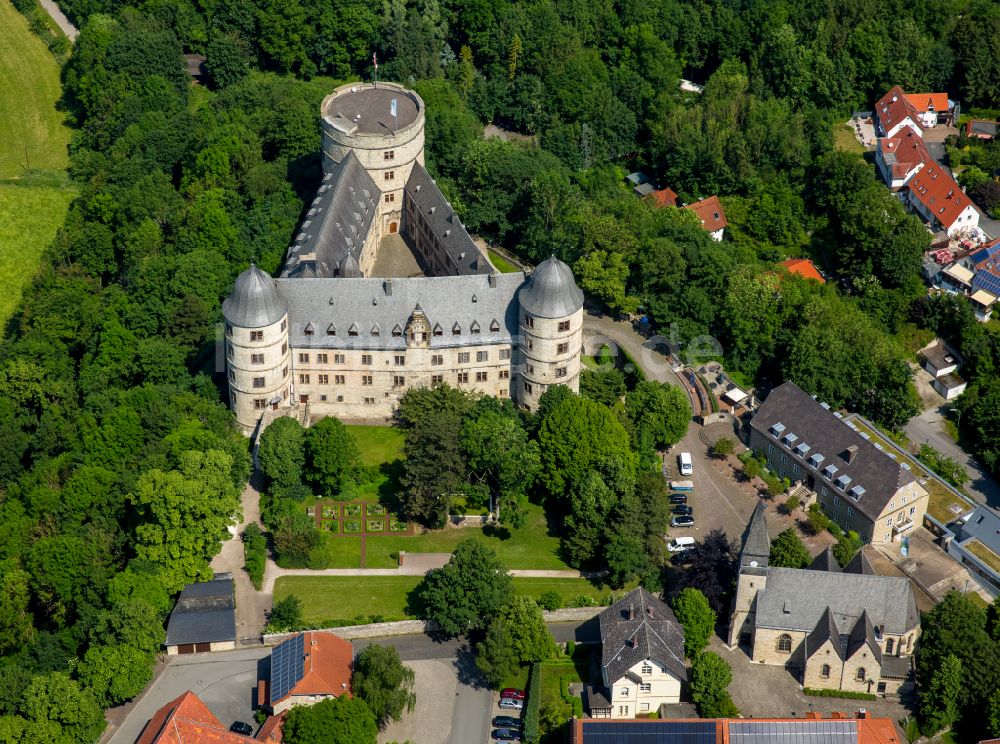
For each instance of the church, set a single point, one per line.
(383, 289)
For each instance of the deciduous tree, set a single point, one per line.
(696, 617)
(384, 683)
(516, 636)
(339, 720)
(331, 454)
(787, 550)
(281, 452)
(710, 678)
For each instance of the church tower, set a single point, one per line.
(551, 331)
(257, 356)
(752, 578)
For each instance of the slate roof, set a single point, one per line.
(826, 630)
(860, 564)
(872, 469)
(638, 627)
(795, 599)
(756, 551)
(862, 634)
(341, 304)
(337, 223)
(254, 301)
(463, 255)
(825, 561)
(205, 612)
(983, 525)
(551, 291)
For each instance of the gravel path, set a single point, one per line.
(60, 18)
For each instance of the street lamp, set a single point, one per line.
(958, 416)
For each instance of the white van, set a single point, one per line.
(680, 544)
(684, 460)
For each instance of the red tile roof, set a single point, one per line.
(893, 107)
(869, 730)
(908, 149)
(186, 720)
(927, 101)
(327, 669)
(803, 267)
(710, 213)
(664, 197)
(939, 193)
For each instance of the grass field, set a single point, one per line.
(844, 139)
(32, 204)
(378, 444)
(502, 264)
(337, 599)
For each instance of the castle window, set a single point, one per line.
(388, 176)
(398, 381)
(338, 358)
(482, 356)
(505, 374)
(389, 155)
(259, 403)
(324, 379)
(888, 645)
(399, 360)
(481, 376)
(284, 349)
(504, 354)
(437, 360)
(304, 379)
(563, 325)
(785, 643)
(860, 675)
(390, 198)
(824, 671)
(284, 372)
(531, 344)
(529, 369)
(256, 335)
(369, 401)
(258, 382)
(303, 359)
(366, 359)
(366, 379)
(463, 357)
(560, 371)
(322, 358)
(529, 322)
(256, 359)
(338, 379)
(562, 348)
(229, 329)
(232, 376)
(463, 377)
(284, 324)
(437, 379)
(527, 388)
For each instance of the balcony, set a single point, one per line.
(901, 528)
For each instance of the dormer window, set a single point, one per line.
(777, 429)
(857, 492)
(437, 330)
(331, 330)
(474, 328)
(494, 326)
(456, 330)
(830, 470)
(790, 438)
(817, 459)
(376, 330)
(843, 482)
(802, 449)
(397, 331)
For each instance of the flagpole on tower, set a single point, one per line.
(375, 62)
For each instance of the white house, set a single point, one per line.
(901, 157)
(711, 216)
(642, 658)
(894, 112)
(938, 198)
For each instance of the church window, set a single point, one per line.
(785, 643)
(824, 671)
(860, 675)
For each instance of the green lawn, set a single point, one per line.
(32, 135)
(502, 264)
(844, 139)
(382, 448)
(335, 600)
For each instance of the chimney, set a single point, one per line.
(850, 453)
(493, 279)
(862, 713)
(388, 287)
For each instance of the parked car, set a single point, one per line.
(678, 498)
(506, 722)
(506, 734)
(682, 558)
(682, 522)
(241, 727)
(685, 463)
(511, 692)
(681, 544)
(683, 510)
(511, 703)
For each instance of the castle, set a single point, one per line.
(383, 289)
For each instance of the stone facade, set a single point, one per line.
(258, 361)
(550, 349)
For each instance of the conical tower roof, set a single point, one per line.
(756, 550)
(255, 301)
(551, 291)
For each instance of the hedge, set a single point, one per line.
(531, 714)
(812, 691)
(254, 554)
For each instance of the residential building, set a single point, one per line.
(383, 289)
(985, 265)
(919, 111)
(204, 618)
(942, 364)
(305, 669)
(665, 197)
(642, 658)
(186, 720)
(982, 129)
(901, 157)
(974, 541)
(938, 198)
(834, 629)
(711, 215)
(858, 484)
(811, 729)
(803, 267)
(956, 278)
(982, 303)
(932, 108)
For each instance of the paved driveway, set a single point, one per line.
(430, 722)
(226, 682)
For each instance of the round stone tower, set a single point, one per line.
(358, 118)
(257, 356)
(551, 331)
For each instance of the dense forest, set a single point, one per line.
(119, 464)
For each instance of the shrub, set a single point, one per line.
(550, 600)
(254, 553)
(723, 447)
(791, 504)
(813, 692)
(285, 615)
(583, 600)
(570, 649)
(533, 705)
(319, 558)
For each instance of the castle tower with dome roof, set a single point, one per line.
(383, 289)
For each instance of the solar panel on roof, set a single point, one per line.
(652, 732)
(287, 666)
(793, 732)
